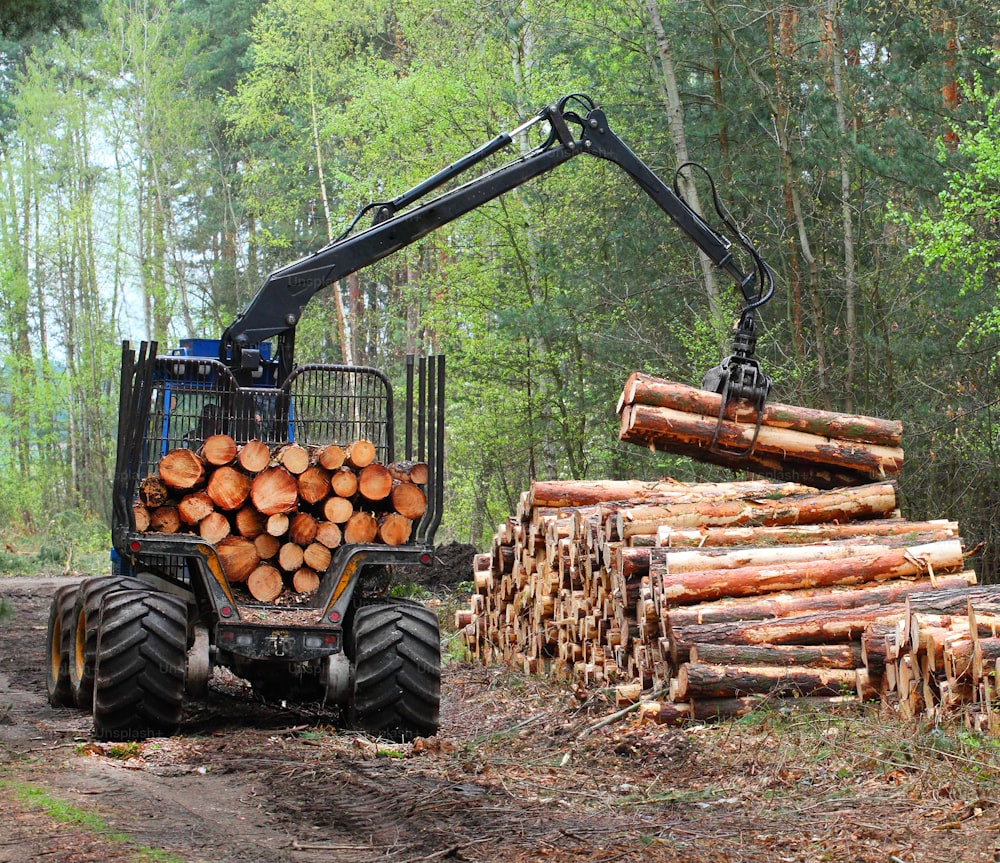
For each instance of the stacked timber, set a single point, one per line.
(821, 448)
(709, 599)
(276, 514)
(941, 657)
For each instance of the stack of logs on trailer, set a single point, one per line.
(707, 600)
(276, 514)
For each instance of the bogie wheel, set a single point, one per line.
(396, 651)
(140, 663)
(83, 636)
(60, 630)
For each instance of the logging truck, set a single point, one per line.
(239, 471)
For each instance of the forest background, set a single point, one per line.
(159, 157)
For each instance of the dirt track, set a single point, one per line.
(510, 778)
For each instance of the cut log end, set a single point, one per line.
(219, 450)
(360, 453)
(265, 583)
(254, 456)
(274, 491)
(305, 580)
(181, 469)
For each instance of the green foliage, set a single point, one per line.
(21, 18)
(157, 165)
(960, 235)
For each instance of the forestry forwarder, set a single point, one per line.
(129, 646)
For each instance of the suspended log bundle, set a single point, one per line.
(821, 448)
(276, 515)
(705, 600)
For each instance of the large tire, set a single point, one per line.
(83, 634)
(60, 631)
(396, 651)
(141, 655)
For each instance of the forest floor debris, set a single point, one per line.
(510, 777)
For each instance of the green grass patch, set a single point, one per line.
(64, 812)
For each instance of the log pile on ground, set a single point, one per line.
(707, 600)
(275, 515)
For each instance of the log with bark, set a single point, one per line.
(229, 488)
(181, 470)
(344, 482)
(274, 490)
(822, 448)
(281, 508)
(374, 482)
(214, 527)
(219, 450)
(564, 591)
(317, 556)
(314, 484)
(678, 588)
(668, 536)
(265, 583)
(359, 453)
(577, 493)
(416, 472)
(641, 388)
(238, 556)
(302, 528)
(254, 456)
(394, 528)
(330, 457)
(193, 507)
(876, 500)
(337, 509)
(249, 522)
(290, 556)
(293, 458)
(697, 680)
(153, 492)
(792, 602)
(164, 519)
(408, 499)
(361, 527)
(140, 517)
(842, 656)
(827, 627)
(305, 580)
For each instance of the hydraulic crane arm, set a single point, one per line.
(277, 306)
